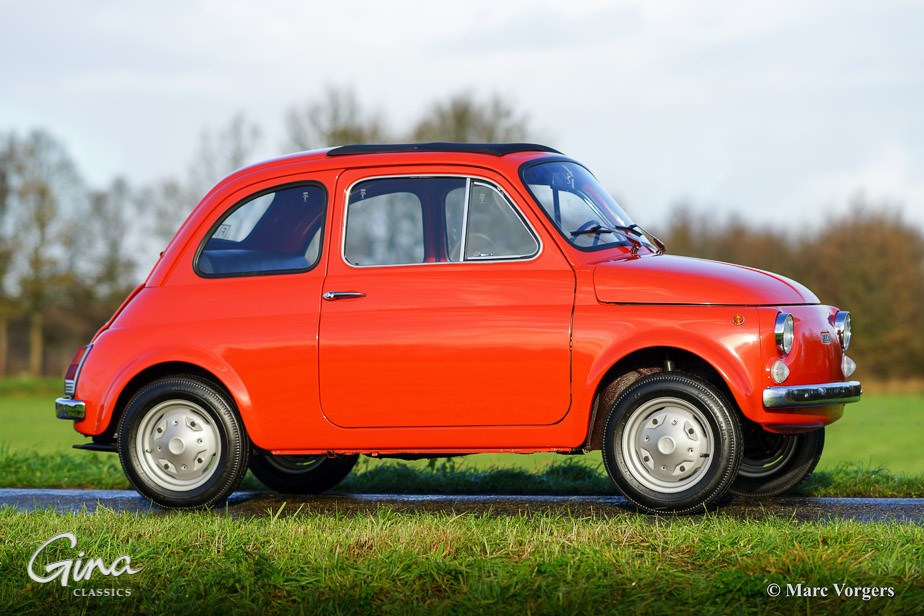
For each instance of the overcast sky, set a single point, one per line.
(781, 112)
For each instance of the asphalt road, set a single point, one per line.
(250, 504)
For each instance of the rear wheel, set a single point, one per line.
(774, 464)
(301, 474)
(672, 444)
(182, 444)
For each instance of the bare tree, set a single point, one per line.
(46, 191)
(222, 151)
(7, 249)
(166, 203)
(464, 119)
(111, 216)
(335, 119)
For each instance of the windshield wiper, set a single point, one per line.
(594, 230)
(636, 230)
(598, 229)
(627, 231)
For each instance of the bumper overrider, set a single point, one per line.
(68, 408)
(825, 394)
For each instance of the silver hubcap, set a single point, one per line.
(667, 444)
(178, 445)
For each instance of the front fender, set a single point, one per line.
(707, 332)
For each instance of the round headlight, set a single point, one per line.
(842, 327)
(785, 331)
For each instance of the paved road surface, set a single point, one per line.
(249, 504)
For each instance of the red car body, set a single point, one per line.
(439, 357)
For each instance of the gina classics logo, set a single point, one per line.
(78, 569)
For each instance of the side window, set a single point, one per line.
(384, 224)
(271, 233)
(491, 227)
(432, 219)
(494, 229)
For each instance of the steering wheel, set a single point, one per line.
(587, 226)
(480, 245)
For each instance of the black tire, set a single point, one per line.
(182, 444)
(301, 474)
(694, 450)
(774, 464)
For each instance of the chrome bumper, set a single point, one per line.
(68, 408)
(826, 394)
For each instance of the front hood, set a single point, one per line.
(668, 279)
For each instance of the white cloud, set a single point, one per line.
(781, 107)
(889, 176)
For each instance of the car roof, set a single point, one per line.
(399, 153)
(491, 149)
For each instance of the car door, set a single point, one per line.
(444, 307)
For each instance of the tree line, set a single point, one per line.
(70, 252)
(869, 261)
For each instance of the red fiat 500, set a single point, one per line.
(440, 299)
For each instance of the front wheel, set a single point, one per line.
(301, 474)
(672, 444)
(774, 464)
(182, 444)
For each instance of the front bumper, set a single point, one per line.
(68, 408)
(799, 396)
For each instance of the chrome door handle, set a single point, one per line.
(333, 296)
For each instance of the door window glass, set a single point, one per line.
(384, 225)
(494, 230)
(412, 220)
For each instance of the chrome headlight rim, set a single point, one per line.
(784, 331)
(842, 328)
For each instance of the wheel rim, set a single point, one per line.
(667, 445)
(295, 464)
(766, 454)
(178, 444)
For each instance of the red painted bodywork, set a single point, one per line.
(443, 357)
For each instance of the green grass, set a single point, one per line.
(565, 477)
(879, 431)
(387, 562)
(442, 563)
(871, 451)
(27, 417)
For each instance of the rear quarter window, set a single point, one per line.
(273, 232)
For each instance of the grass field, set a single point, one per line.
(440, 563)
(865, 455)
(882, 431)
(387, 562)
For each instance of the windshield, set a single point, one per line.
(584, 213)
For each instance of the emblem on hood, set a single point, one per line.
(825, 338)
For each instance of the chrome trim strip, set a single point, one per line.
(824, 394)
(67, 408)
(467, 205)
